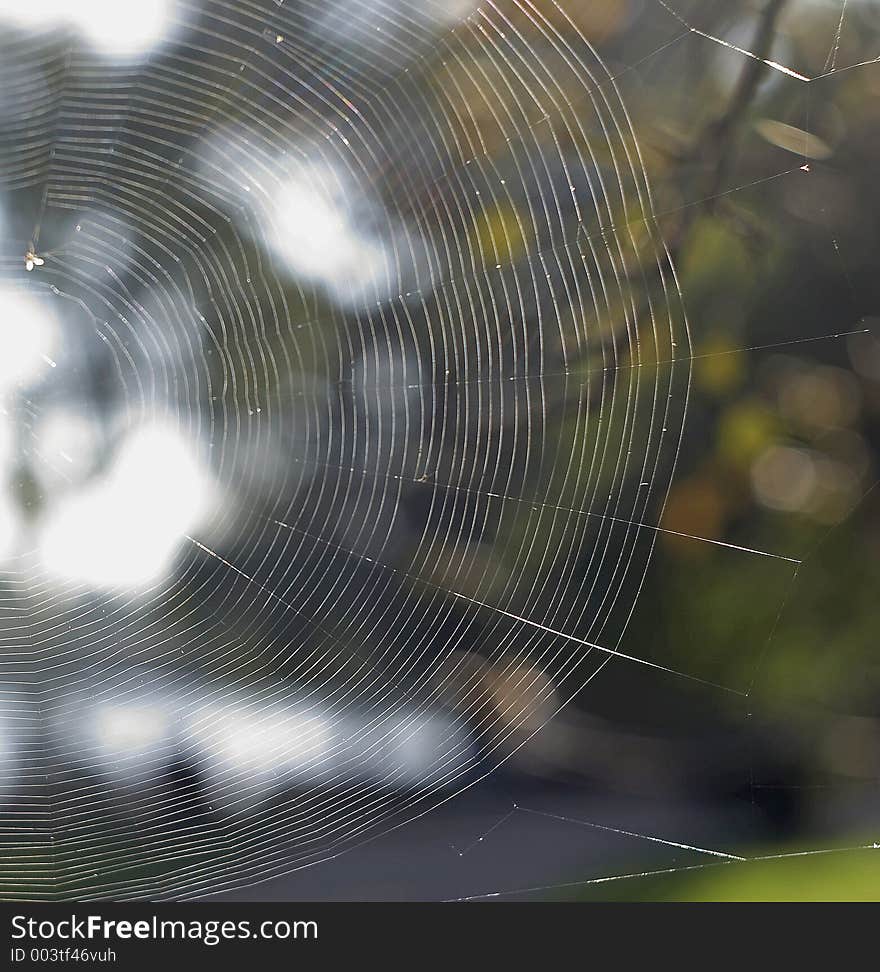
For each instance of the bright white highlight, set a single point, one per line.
(8, 528)
(125, 530)
(315, 233)
(260, 743)
(403, 751)
(123, 730)
(8, 516)
(247, 755)
(127, 742)
(112, 26)
(28, 336)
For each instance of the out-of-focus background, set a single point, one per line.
(439, 447)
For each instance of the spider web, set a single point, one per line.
(379, 366)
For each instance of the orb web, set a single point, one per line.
(356, 371)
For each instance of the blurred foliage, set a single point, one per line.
(844, 875)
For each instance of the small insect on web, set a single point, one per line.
(31, 260)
